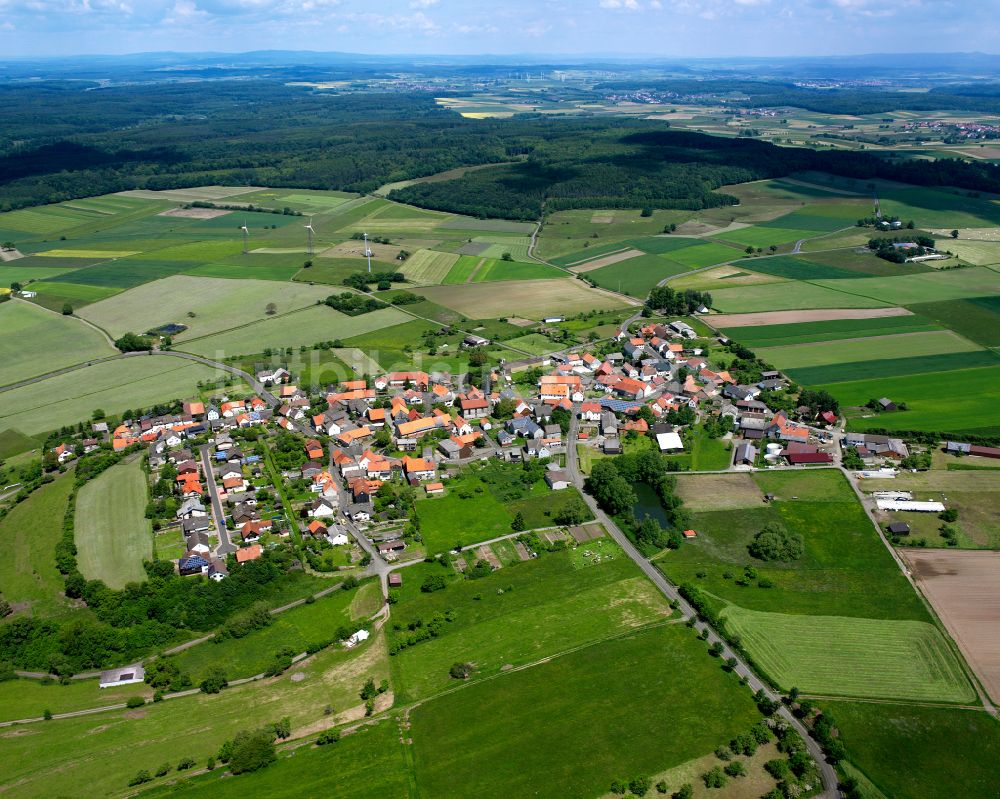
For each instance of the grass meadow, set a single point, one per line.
(841, 656)
(921, 752)
(113, 536)
(970, 410)
(518, 615)
(428, 266)
(112, 386)
(28, 537)
(781, 297)
(205, 304)
(294, 629)
(34, 342)
(63, 754)
(844, 571)
(297, 328)
(952, 284)
(370, 761)
(546, 714)
(636, 276)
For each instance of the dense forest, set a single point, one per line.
(59, 143)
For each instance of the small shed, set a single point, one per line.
(886, 404)
(899, 528)
(395, 580)
(690, 534)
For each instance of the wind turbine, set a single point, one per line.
(368, 254)
(246, 237)
(310, 232)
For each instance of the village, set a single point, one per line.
(339, 471)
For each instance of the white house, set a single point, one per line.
(357, 638)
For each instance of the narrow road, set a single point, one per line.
(218, 512)
(827, 772)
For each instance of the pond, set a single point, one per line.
(648, 504)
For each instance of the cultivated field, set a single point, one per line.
(953, 284)
(885, 347)
(795, 317)
(803, 297)
(835, 329)
(876, 658)
(113, 386)
(206, 305)
(428, 266)
(534, 299)
(299, 328)
(964, 588)
(34, 341)
(113, 536)
(976, 318)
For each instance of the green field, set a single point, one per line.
(705, 253)
(797, 268)
(28, 536)
(112, 386)
(236, 272)
(844, 571)
(368, 762)
(636, 276)
(294, 629)
(972, 409)
(953, 284)
(125, 273)
(893, 367)
(980, 253)
(757, 236)
(34, 341)
(205, 305)
(463, 269)
(835, 655)
(535, 343)
(55, 295)
(519, 614)
(495, 270)
(428, 266)
(299, 328)
(531, 299)
(976, 318)
(546, 715)
(450, 520)
(782, 297)
(921, 752)
(938, 208)
(875, 348)
(763, 336)
(113, 536)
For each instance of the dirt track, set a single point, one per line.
(964, 588)
(791, 317)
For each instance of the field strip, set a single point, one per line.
(606, 260)
(887, 335)
(594, 257)
(806, 184)
(472, 275)
(791, 317)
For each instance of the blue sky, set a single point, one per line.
(688, 28)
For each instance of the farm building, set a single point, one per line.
(669, 442)
(961, 448)
(395, 580)
(912, 505)
(805, 458)
(557, 480)
(127, 675)
(899, 528)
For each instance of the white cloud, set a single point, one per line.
(626, 5)
(423, 3)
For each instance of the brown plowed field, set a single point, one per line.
(964, 588)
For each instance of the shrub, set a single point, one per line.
(134, 702)
(163, 770)
(185, 764)
(639, 786)
(774, 542)
(715, 778)
(214, 682)
(140, 778)
(328, 737)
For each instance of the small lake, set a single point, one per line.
(648, 504)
